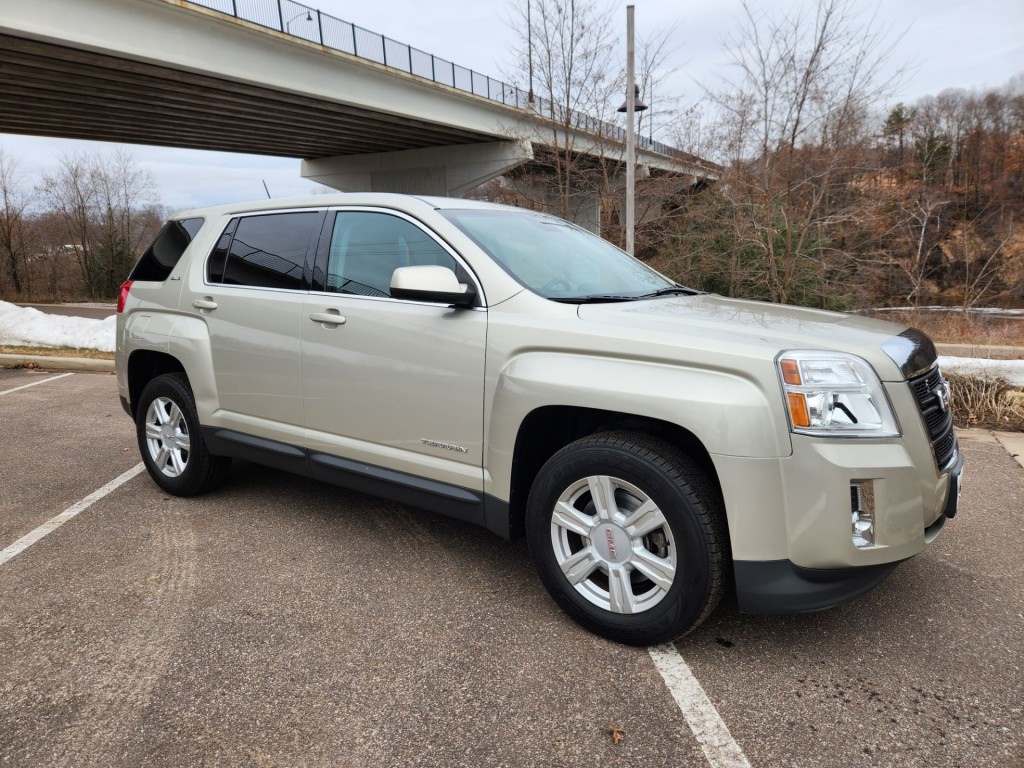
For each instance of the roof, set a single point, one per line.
(382, 199)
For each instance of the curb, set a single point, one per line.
(1011, 442)
(58, 363)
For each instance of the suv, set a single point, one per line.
(504, 367)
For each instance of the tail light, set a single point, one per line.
(123, 295)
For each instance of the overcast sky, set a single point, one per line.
(944, 44)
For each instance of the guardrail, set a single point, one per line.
(308, 23)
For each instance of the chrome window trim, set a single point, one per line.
(345, 209)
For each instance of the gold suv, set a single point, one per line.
(509, 369)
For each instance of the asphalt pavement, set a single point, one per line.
(278, 621)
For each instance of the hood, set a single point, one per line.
(753, 328)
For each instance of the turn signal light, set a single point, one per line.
(790, 372)
(798, 409)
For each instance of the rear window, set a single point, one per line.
(170, 243)
(266, 251)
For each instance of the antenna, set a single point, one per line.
(265, 188)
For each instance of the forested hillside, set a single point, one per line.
(919, 205)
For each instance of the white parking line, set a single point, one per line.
(711, 732)
(54, 523)
(34, 383)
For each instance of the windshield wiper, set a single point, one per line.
(594, 299)
(674, 290)
(604, 298)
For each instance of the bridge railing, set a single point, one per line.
(308, 23)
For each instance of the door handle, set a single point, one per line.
(329, 317)
(206, 303)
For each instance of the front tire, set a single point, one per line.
(627, 535)
(171, 441)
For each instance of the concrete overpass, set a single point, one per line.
(359, 109)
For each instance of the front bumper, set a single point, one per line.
(783, 587)
(797, 508)
(779, 586)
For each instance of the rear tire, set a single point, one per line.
(627, 535)
(171, 440)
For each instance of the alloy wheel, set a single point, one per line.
(167, 437)
(613, 544)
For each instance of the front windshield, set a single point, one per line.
(555, 259)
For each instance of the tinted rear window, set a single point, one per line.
(270, 251)
(170, 243)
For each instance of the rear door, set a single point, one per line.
(251, 297)
(394, 383)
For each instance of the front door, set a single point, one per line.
(394, 383)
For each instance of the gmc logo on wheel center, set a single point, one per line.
(611, 542)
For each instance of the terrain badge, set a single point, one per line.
(445, 446)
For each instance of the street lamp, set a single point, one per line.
(288, 24)
(529, 50)
(638, 106)
(632, 105)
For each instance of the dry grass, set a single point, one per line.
(988, 402)
(92, 354)
(957, 328)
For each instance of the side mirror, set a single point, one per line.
(431, 283)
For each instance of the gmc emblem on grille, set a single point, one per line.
(943, 394)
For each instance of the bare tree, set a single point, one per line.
(100, 201)
(123, 190)
(916, 239)
(14, 200)
(567, 46)
(53, 266)
(574, 51)
(69, 193)
(795, 129)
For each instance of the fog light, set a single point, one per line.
(862, 506)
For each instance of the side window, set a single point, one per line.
(170, 243)
(268, 251)
(366, 248)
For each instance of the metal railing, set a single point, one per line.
(307, 23)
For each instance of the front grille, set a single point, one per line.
(927, 389)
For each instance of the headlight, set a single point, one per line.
(833, 394)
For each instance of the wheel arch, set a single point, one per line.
(547, 429)
(144, 365)
(172, 343)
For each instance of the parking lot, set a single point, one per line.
(278, 621)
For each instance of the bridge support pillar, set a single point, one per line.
(449, 171)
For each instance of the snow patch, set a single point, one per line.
(24, 326)
(1010, 370)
